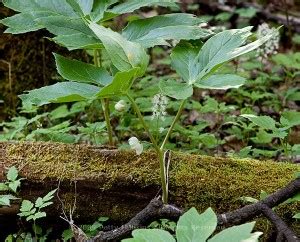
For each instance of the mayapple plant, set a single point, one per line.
(78, 24)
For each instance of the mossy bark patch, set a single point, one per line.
(118, 183)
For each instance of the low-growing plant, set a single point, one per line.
(10, 186)
(270, 129)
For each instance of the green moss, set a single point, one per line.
(199, 181)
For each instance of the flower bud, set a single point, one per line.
(135, 145)
(120, 106)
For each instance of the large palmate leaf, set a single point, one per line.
(156, 30)
(124, 54)
(195, 64)
(193, 226)
(60, 93)
(132, 5)
(120, 85)
(223, 82)
(217, 50)
(74, 70)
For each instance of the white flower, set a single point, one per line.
(159, 103)
(161, 129)
(135, 145)
(120, 106)
(272, 45)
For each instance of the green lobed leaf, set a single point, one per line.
(26, 206)
(14, 185)
(156, 30)
(175, 89)
(3, 187)
(12, 173)
(74, 70)
(36, 216)
(124, 54)
(49, 195)
(222, 81)
(264, 122)
(195, 227)
(235, 234)
(39, 202)
(150, 235)
(120, 85)
(132, 5)
(60, 93)
(5, 199)
(290, 118)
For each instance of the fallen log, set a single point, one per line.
(119, 184)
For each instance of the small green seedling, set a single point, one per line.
(10, 186)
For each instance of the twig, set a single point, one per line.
(156, 209)
(250, 211)
(280, 225)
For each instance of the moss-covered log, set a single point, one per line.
(119, 184)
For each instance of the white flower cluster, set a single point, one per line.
(159, 105)
(272, 45)
(135, 145)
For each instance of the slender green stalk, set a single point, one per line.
(157, 149)
(173, 124)
(140, 116)
(105, 105)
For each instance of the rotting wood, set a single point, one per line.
(119, 184)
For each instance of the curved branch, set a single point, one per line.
(280, 225)
(250, 211)
(156, 210)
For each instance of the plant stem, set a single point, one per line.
(173, 124)
(105, 107)
(140, 116)
(105, 104)
(157, 149)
